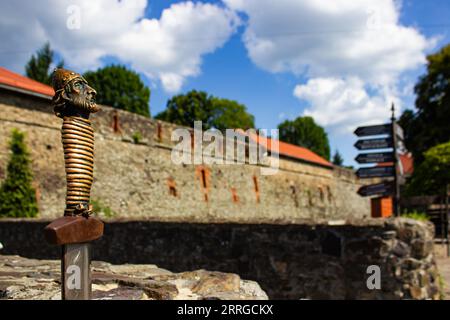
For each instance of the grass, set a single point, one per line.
(137, 137)
(416, 215)
(99, 208)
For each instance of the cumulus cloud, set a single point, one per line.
(352, 51)
(169, 49)
(339, 104)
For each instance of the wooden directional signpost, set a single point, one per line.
(376, 157)
(384, 188)
(368, 144)
(375, 172)
(389, 159)
(373, 130)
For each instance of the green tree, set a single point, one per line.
(184, 109)
(337, 159)
(17, 196)
(432, 175)
(229, 114)
(429, 125)
(304, 132)
(214, 112)
(38, 67)
(120, 88)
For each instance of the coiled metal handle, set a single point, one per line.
(78, 144)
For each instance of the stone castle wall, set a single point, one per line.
(141, 181)
(293, 261)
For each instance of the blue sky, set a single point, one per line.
(282, 59)
(230, 73)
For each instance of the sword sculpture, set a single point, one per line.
(73, 101)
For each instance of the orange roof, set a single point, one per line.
(406, 161)
(290, 150)
(18, 81)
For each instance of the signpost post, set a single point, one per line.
(394, 131)
(74, 100)
(394, 135)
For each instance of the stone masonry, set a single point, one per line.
(289, 261)
(139, 180)
(29, 279)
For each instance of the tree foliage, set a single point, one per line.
(337, 159)
(432, 175)
(229, 114)
(38, 67)
(214, 112)
(304, 132)
(17, 196)
(429, 125)
(120, 88)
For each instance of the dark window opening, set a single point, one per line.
(159, 132)
(294, 195)
(172, 187)
(116, 123)
(234, 195)
(256, 186)
(173, 191)
(255, 182)
(204, 178)
(321, 194)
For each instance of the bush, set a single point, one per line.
(100, 209)
(433, 175)
(17, 196)
(420, 216)
(137, 137)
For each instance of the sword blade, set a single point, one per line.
(76, 272)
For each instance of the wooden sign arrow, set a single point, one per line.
(375, 172)
(367, 144)
(384, 188)
(373, 130)
(375, 157)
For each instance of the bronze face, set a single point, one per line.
(73, 95)
(81, 96)
(74, 100)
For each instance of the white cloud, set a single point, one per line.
(169, 48)
(352, 51)
(340, 104)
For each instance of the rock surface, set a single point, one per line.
(22, 278)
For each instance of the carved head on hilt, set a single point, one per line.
(73, 95)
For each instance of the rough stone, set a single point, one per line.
(21, 279)
(298, 191)
(289, 261)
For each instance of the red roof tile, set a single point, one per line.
(15, 80)
(406, 161)
(18, 81)
(290, 150)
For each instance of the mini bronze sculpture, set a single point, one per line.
(74, 100)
